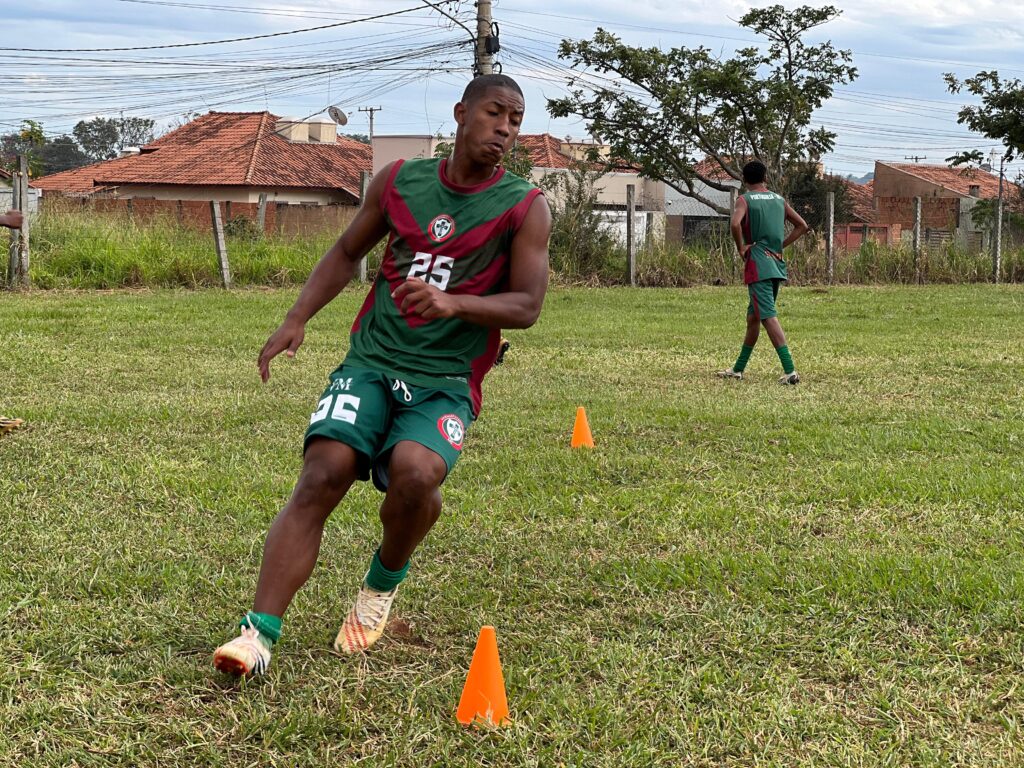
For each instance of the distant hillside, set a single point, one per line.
(861, 179)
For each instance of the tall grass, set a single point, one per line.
(79, 249)
(871, 264)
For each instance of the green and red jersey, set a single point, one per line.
(453, 237)
(764, 229)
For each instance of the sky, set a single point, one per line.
(413, 62)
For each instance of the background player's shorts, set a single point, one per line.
(372, 412)
(762, 298)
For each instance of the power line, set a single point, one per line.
(212, 42)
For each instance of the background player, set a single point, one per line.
(758, 226)
(466, 256)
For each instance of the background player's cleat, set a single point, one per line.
(247, 654)
(500, 357)
(366, 621)
(790, 378)
(729, 373)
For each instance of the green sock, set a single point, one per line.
(380, 578)
(269, 626)
(786, 359)
(741, 361)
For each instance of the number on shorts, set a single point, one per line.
(346, 409)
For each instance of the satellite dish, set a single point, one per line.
(337, 116)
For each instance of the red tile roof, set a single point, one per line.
(545, 151)
(709, 168)
(227, 149)
(957, 180)
(862, 200)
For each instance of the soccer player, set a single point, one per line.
(12, 219)
(758, 227)
(467, 255)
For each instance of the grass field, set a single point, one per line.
(739, 574)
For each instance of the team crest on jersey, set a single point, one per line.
(452, 429)
(441, 228)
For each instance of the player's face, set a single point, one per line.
(490, 124)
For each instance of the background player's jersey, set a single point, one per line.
(764, 228)
(456, 238)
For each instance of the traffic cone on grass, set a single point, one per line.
(483, 696)
(581, 437)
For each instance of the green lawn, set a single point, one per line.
(739, 574)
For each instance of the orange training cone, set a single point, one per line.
(581, 436)
(483, 696)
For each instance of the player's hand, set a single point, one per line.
(13, 219)
(288, 338)
(745, 251)
(429, 302)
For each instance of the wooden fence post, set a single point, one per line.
(830, 240)
(630, 237)
(917, 239)
(733, 196)
(997, 241)
(221, 246)
(261, 212)
(14, 251)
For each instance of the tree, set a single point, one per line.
(98, 137)
(28, 141)
(134, 131)
(807, 191)
(1000, 115)
(362, 138)
(62, 154)
(665, 109)
(103, 137)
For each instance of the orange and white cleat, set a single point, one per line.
(247, 654)
(366, 621)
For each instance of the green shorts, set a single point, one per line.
(762, 298)
(372, 412)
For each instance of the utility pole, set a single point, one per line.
(915, 158)
(371, 110)
(486, 46)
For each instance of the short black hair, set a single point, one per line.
(481, 83)
(755, 172)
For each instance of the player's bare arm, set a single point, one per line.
(12, 219)
(800, 227)
(331, 274)
(736, 225)
(518, 307)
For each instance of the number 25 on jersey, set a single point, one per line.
(433, 270)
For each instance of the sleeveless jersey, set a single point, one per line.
(453, 237)
(764, 229)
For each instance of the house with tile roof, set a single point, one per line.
(948, 194)
(548, 155)
(230, 157)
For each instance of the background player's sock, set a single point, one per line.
(268, 626)
(786, 359)
(380, 578)
(741, 361)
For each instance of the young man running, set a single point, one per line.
(758, 227)
(466, 256)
